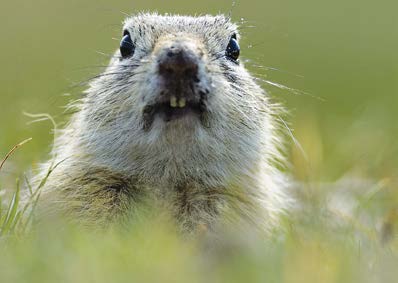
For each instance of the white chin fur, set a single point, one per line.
(183, 127)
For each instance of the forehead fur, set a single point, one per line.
(151, 26)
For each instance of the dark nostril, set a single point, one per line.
(191, 72)
(169, 70)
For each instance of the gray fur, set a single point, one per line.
(202, 172)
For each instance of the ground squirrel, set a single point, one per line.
(175, 118)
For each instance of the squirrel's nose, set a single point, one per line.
(178, 62)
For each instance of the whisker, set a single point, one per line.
(291, 90)
(269, 68)
(295, 141)
(106, 54)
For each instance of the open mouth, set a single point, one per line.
(177, 108)
(172, 109)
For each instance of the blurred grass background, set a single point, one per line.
(343, 54)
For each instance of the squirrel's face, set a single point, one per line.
(177, 81)
(180, 80)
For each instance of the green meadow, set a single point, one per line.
(334, 67)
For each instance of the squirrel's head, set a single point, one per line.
(176, 88)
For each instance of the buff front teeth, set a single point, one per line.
(180, 103)
(173, 102)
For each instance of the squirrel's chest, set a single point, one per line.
(193, 206)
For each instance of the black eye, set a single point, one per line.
(233, 49)
(126, 46)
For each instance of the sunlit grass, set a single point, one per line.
(315, 244)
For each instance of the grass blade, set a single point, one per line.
(12, 211)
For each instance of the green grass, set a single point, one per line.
(342, 57)
(316, 243)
